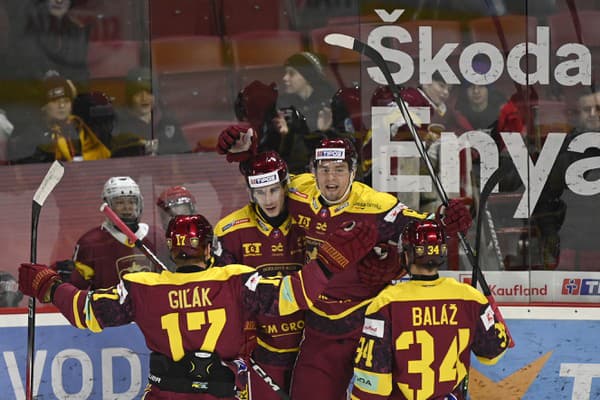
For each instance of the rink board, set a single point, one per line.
(557, 354)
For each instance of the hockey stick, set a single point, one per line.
(348, 42)
(52, 178)
(115, 219)
(483, 198)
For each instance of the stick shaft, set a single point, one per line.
(118, 222)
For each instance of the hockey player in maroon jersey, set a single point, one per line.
(262, 234)
(195, 315)
(418, 336)
(176, 200)
(104, 253)
(320, 201)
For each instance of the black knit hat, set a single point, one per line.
(309, 65)
(138, 79)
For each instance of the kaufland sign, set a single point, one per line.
(575, 67)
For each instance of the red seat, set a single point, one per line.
(244, 16)
(113, 58)
(193, 79)
(562, 28)
(515, 29)
(111, 20)
(183, 18)
(203, 135)
(265, 65)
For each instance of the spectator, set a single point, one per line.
(307, 89)
(217, 303)
(144, 127)
(256, 105)
(96, 110)
(565, 219)
(52, 40)
(277, 249)
(104, 253)
(176, 200)
(10, 296)
(57, 134)
(480, 105)
(401, 351)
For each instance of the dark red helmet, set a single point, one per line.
(188, 235)
(255, 102)
(176, 195)
(336, 149)
(346, 110)
(266, 169)
(424, 243)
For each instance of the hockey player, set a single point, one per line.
(176, 200)
(262, 234)
(194, 316)
(320, 202)
(418, 336)
(103, 253)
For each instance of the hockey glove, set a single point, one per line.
(380, 266)
(39, 281)
(455, 217)
(238, 142)
(347, 245)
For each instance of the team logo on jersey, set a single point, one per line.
(252, 249)
(258, 181)
(330, 154)
(373, 327)
(132, 263)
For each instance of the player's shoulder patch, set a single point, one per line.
(374, 327)
(302, 187)
(237, 219)
(365, 199)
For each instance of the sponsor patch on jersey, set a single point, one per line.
(330, 154)
(262, 180)
(252, 282)
(298, 193)
(341, 207)
(373, 327)
(394, 212)
(488, 318)
(234, 223)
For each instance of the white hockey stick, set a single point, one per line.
(52, 178)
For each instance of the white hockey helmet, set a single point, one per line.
(121, 186)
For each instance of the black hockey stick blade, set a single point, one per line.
(51, 179)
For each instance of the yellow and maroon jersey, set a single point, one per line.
(245, 237)
(345, 293)
(180, 312)
(417, 340)
(103, 254)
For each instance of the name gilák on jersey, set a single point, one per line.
(189, 298)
